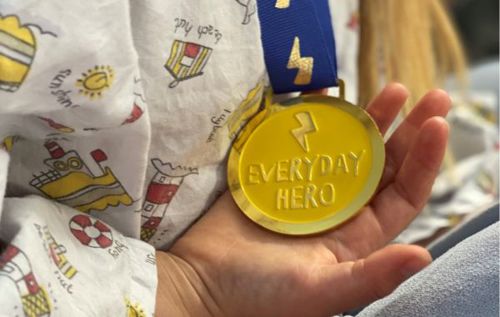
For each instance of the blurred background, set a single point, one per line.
(468, 185)
(477, 21)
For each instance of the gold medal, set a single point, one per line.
(306, 165)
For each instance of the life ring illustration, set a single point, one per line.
(91, 232)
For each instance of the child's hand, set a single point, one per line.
(225, 265)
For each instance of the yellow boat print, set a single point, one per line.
(70, 182)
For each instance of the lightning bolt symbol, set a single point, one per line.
(282, 4)
(307, 126)
(303, 64)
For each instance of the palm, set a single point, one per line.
(248, 269)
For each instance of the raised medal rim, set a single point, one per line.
(307, 228)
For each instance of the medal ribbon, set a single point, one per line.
(299, 44)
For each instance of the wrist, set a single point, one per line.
(181, 291)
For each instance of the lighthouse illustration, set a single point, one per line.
(161, 190)
(71, 182)
(15, 265)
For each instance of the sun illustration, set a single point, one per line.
(95, 81)
(134, 310)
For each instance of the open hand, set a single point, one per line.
(233, 267)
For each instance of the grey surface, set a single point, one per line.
(463, 231)
(463, 282)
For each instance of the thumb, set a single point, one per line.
(366, 280)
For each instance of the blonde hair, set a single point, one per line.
(409, 41)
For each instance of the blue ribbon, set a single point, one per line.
(310, 21)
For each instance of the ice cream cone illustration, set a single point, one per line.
(71, 182)
(161, 190)
(17, 51)
(15, 265)
(186, 60)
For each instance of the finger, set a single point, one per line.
(435, 103)
(363, 281)
(400, 202)
(386, 106)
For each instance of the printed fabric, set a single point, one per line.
(116, 118)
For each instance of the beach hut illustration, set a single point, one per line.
(160, 192)
(186, 60)
(15, 265)
(71, 182)
(17, 51)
